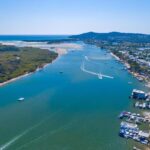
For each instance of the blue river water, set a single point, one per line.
(71, 110)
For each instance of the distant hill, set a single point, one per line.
(113, 37)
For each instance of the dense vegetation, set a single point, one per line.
(16, 61)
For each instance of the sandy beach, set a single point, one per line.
(14, 79)
(116, 57)
(60, 48)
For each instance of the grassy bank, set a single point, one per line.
(15, 61)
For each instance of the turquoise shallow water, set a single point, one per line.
(69, 111)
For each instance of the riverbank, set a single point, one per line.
(135, 74)
(24, 75)
(17, 62)
(14, 79)
(140, 78)
(28, 57)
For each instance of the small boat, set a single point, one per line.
(121, 116)
(129, 82)
(21, 99)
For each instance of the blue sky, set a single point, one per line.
(74, 16)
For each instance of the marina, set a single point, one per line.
(142, 99)
(133, 117)
(131, 131)
(130, 126)
(142, 105)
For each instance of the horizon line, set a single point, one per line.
(70, 34)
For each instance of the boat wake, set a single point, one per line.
(99, 75)
(97, 58)
(12, 141)
(51, 133)
(9, 143)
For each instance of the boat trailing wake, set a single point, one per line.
(96, 58)
(99, 75)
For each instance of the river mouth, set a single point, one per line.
(66, 108)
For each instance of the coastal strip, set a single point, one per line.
(135, 74)
(115, 56)
(17, 62)
(23, 76)
(14, 79)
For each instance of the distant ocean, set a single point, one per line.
(31, 37)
